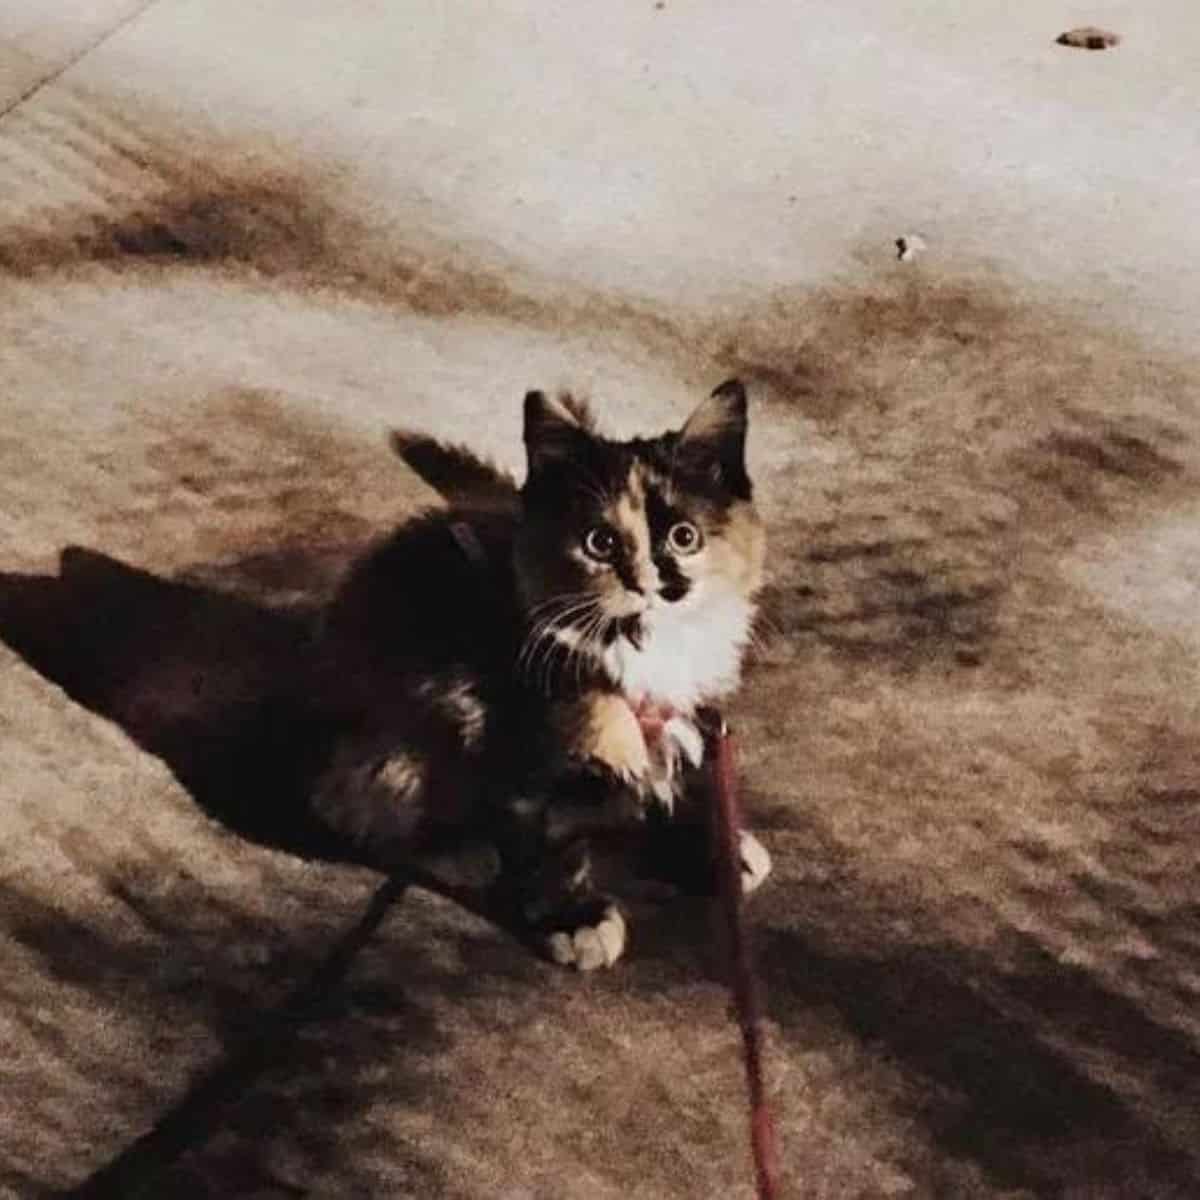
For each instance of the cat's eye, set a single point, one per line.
(684, 538)
(600, 543)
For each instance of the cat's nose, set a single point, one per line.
(673, 592)
(644, 581)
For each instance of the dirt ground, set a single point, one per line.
(970, 741)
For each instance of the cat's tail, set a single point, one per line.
(458, 475)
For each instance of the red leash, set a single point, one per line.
(743, 981)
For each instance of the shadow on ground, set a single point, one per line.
(1003, 1084)
(207, 681)
(300, 1072)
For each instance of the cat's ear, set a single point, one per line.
(553, 428)
(712, 441)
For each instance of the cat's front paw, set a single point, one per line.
(754, 860)
(598, 942)
(612, 739)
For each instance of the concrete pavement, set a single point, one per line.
(239, 242)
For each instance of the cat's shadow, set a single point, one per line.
(206, 680)
(211, 672)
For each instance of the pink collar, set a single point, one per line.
(652, 716)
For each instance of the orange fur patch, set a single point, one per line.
(601, 728)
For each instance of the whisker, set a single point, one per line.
(568, 608)
(564, 599)
(543, 663)
(764, 632)
(582, 651)
(584, 648)
(538, 655)
(543, 654)
(555, 658)
(541, 649)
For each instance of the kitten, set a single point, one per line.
(524, 665)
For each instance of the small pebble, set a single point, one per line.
(909, 246)
(1088, 37)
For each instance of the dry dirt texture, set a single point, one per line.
(971, 743)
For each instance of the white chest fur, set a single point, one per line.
(686, 656)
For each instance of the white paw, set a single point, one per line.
(590, 946)
(755, 861)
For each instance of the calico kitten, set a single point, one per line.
(526, 664)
